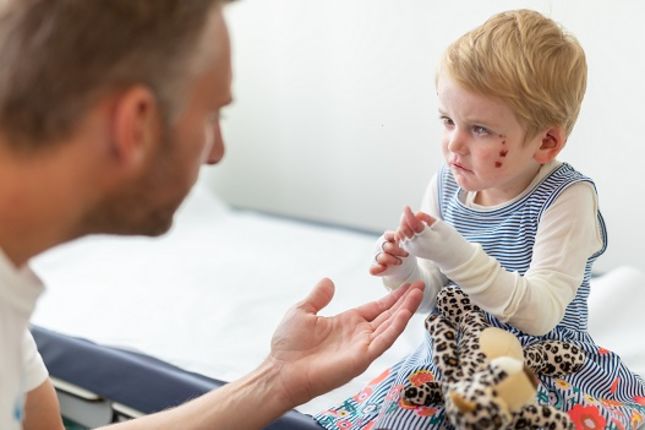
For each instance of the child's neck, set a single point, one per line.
(487, 198)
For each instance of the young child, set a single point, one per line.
(515, 229)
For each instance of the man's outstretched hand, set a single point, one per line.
(315, 354)
(310, 355)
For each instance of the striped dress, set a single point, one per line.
(603, 394)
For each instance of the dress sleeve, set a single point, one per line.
(568, 234)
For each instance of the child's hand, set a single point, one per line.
(442, 243)
(389, 254)
(412, 224)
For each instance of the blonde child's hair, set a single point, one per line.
(526, 60)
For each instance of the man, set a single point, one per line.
(107, 110)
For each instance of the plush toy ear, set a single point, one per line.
(462, 404)
(513, 383)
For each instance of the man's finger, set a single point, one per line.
(386, 338)
(400, 304)
(387, 333)
(371, 310)
(410, 302)
(319, 297)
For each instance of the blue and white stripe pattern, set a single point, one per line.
(604, 389)
(508, 233)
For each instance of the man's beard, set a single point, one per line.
(139, 209)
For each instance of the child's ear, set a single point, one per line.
(552, 142)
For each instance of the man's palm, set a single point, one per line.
(307, 346)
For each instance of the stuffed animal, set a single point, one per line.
(487, 378)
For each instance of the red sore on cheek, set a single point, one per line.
(503, 152)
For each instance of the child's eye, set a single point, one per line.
(447, 122)
(480, 131)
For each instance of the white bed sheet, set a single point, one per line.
(208, 295)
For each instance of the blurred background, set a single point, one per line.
(335, 115)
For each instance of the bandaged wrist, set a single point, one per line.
(440, 243)
(395, 276)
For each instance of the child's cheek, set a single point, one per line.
(502, 152)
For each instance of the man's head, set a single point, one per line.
(140, 82)
(527, 61)
(60, 55)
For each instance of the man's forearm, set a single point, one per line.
(250, 402)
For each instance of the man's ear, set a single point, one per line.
(551, 143)
(135, 126)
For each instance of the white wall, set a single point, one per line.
(335, 115)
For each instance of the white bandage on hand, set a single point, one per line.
(411, 270)
(442, 244)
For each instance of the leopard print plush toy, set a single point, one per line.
(487, 378)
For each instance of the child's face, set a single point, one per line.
(483, 143)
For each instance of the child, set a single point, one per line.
(516, 229)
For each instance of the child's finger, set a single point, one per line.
(404, 228)
(404, 231)
(387, 259)
(394, 249)
(415, 224)
(376, 269)
(391, 244)
(422, 216)
(390, 236)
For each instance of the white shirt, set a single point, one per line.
(21, 367)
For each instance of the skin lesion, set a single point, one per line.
(502, 153)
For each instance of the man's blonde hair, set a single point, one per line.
(59, 55)
(527, 61)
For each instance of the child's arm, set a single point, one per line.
(567, 236)
(408, 270)
(396, 267)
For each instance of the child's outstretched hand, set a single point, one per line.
(412, 224)
(388, 255)
(390, 258)
(441, 243)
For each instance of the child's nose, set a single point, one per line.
(457, 141)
